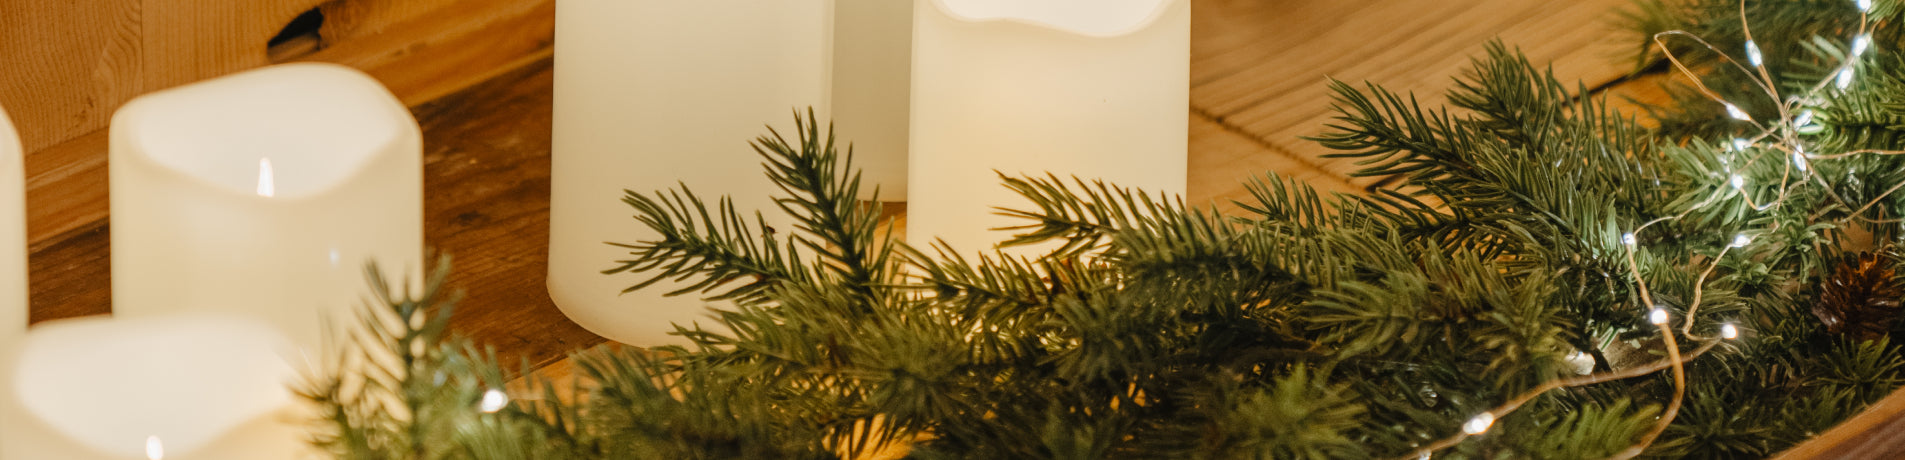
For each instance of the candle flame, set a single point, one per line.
(155, 450)
(265, 187)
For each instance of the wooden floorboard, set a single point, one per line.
(1259, 67)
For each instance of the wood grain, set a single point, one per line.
(428, 56)
(65, 65)
(1258, 68)
(184, 41)
(487, 206)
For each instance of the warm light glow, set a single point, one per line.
(1741, 240)
(1753, 55)
(155, 450)
(1735, 112)
(1727, 331)
(1658, 316)
(1479, 424)
(493, 400)
(266, 187)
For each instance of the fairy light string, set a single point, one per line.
(1781, 135)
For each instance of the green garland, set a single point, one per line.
(1535, 233)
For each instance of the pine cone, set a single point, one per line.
(1859, 299)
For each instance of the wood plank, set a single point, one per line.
(487, 205)
(430, 56)
(1222, 158)
(65, 65)
(184, 41)
(1259, 68)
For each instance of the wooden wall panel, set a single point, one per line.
(190, 40)
(65, 65)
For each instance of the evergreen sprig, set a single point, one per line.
(1533, 230)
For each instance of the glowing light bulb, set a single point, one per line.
(1845, 78)
(1799, 161)
(1479, 424)
(1804, 118)
(1752, 54)
(1741, 144)
(1735, 112)
(266, 187)
(1739, 183)
(1727, 331)
(1658, 316)
(1628, 239)
(1865, 6)
(493, 400)
(155, 450)
(1860, 44)
(1741, 240)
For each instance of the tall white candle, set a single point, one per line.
(13, 300)
(202, 387)
(652, 93)
(872, 63)
(264, 193)
(1098, 89)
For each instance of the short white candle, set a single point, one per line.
(13, 301)
(1098, 89)
(652, 93)
(264, 193)
(206, 386)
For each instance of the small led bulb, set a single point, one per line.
(1860, 44)
(1479, 424)
(1628, 239)
(1799, 161)
(1741, 144)
(155, 450)
(1804, 118)
(1752, 54)
(1658, 316)
(1845, 78)
(493, 400)
(1735, 112)
(1727, 331)
(1740, 240)
(1739, 182)
(1865, 6)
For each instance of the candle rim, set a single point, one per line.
(1161, 9)
(402, 133)
(248, 339)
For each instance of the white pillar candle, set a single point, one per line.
(264, 193)
(202, 387)
(13, 300)
(652, 93)
(872, 62)
(1098, 89)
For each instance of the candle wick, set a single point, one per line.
(265, 186)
